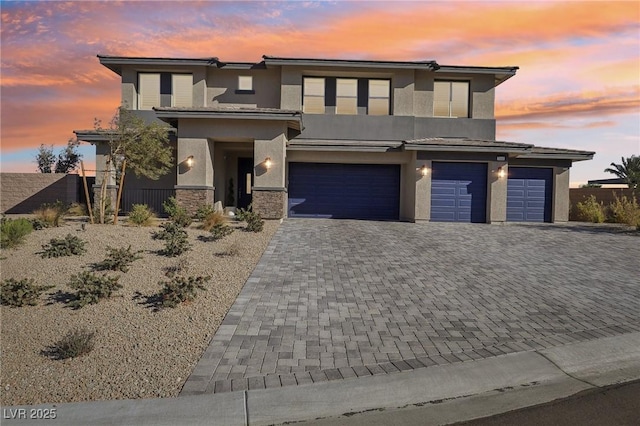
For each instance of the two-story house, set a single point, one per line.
(329, 138)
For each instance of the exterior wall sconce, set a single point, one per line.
(501, 173)
(189, 161)
(424, 170)
(268, 163)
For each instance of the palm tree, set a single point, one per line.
(629, 171)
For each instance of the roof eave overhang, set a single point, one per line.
(115, 63)
(345, 146)
(294, 120)
(428, 65)
(501, 74)
(457, 148)
(572, 157)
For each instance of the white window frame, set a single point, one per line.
(371, 97)
(448, 99)
(245, 83)
(147, 96)
(306, 108)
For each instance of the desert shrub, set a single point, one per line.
(13, 232)
(175, 237)
(181, 289)
(67, 246)
(20, 293)
(118, 259)
(203, 211)
(625, 210)
(108, 211)
(232, 250)
(176, 212)
(220, 231)
(212, 219)
(589, 210)
(38, 224)
(75, 343)
(173, 270)
(141, 215)
(77, 209)
(90, 288)
(51, 214)
(254, 222)
(241, 213)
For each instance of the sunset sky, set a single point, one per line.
(578, 85)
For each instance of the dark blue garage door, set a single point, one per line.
(344, 191)
(459, 192)
(529, 194)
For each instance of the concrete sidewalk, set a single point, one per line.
(456, 392)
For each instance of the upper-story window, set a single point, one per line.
(349, 96)
(451, 99)
(164, 89)
(313, 101)
(346, 96)
(379, 92)
(245, 85)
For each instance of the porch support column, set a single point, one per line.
(194, 183)
(423, 189)
(102, 151)
(497, 191)
(560, 205)
(269, 192)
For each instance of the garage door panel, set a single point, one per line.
(529, 194)
(345, 191)
(458, 192)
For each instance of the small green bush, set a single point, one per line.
(77, 209)
(181, 289)
(67, 246)
(75, 343)
(118, 259)
(21, 293)
(241, 213)
(141, 215)
(220, 231)
(590, 210)
(51, 214)
(14, 231)
(90, 288)
(176, 212)
(38, 224)
(254, 222)
(175, 237)
(203, 211)
(624, 210)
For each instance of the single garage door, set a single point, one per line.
(529, 193)
(459, 192)
(344, 191)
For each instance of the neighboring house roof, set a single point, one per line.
(465, 144)
(293, 117)
(613, 181)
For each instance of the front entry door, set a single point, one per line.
(245, 182)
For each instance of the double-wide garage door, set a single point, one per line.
(458, 192)
(529, 194)
(344, 191)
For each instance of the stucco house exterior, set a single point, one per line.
(335, 138)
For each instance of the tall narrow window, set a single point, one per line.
(313, 100)
(378, 97)
(182, 90)
(346, 96)
(148, 90)
(451, 99)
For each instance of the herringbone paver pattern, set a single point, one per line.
(332, 300)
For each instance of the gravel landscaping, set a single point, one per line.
(140, 351)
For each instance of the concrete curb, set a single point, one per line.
(529, 377)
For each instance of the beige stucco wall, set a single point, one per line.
(25, 192)
(222, 85)
(201, 174)
(497, 192)
(275, 149)
(423, 191)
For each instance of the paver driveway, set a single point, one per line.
(333, 299)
